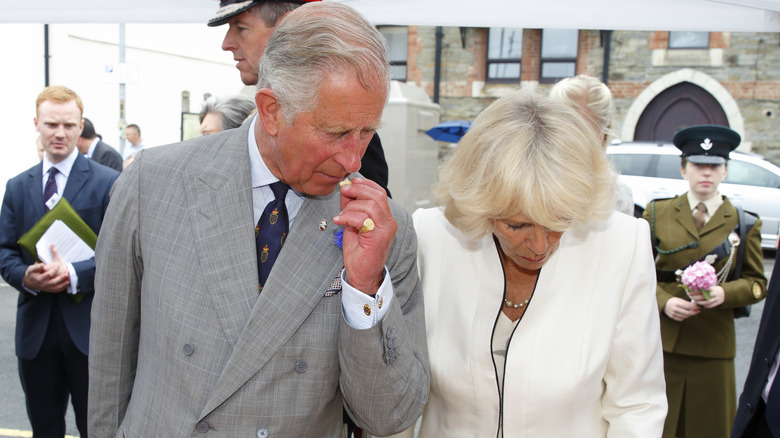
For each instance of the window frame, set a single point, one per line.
(542, 60)
(397, 62)
(494, 61)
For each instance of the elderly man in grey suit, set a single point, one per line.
(182, 341)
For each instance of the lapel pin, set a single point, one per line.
(323, 225)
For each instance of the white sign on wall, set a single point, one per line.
(121, 73)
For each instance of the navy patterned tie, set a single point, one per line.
(51, 187)
(271, 230)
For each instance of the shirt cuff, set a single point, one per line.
(74, 280)
(364, 311)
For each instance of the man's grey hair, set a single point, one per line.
(316, 40)
(234, 110)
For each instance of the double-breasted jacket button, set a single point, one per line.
(188, 349)
(389, 332)
(263, 433)
(391, 343)
(301, 366)
(392, 359)
(202, 427)
(393, 352)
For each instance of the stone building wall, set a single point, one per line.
(741, 70)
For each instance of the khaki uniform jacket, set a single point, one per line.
(711, 333)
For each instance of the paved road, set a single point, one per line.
(13, 418)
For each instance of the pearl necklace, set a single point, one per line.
(512, 305)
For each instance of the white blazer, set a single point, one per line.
(584, 361)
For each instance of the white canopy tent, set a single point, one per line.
(704, 15)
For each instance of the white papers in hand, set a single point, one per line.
(70, 246)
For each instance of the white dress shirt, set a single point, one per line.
(353, 301)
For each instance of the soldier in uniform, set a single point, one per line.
(697, 333)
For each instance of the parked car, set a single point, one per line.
(652, 170)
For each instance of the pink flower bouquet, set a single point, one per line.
(700, 277)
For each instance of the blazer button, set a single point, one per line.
(391, 343)
(750, 407)
(393, 352)
(392, 360)
(188, 350)
(262, 433)
(767, 362)
(202, 427)
(389, 332)
(301, 366)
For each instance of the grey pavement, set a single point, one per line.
(13, 417)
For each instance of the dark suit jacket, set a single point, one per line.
(87, 190)
(107, 156)
(373, 165)
(764, 354)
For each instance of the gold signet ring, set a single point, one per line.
(368, 225)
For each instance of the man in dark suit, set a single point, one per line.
(91, 145)
(758, 413)
(256, 20)
(55, 299)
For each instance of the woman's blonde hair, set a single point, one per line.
(526, 154)
(591, 98)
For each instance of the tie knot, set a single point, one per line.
(53, 171)
(701, 207)
(280, 189)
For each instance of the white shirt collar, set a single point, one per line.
(63, 166)
(261, 175)
(92, 147)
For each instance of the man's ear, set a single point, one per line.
(268, 110)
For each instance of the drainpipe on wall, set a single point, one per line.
(437, 64)
(607, 35)
(45, 55)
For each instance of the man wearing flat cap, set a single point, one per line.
(250, 24)
(697, 330)
(253, 292)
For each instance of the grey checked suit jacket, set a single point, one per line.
(181, 342)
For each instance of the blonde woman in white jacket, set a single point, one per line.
(539, 300)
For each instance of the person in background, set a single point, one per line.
(538, 297)
(92, 146)
(219, 114)
(758, 413)
(593, 100)
(241, 291)
(55, 299)
(133, 136)
(250, 24)
(698, 331)
(39, 147)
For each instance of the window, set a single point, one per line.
(559, 54)
(397, 46)
(750, 174)
(504, 49)
(689, 40)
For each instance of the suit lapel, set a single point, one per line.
(684, 216)
(79, 174)
(307, 265)
(220, 214)
(35, 189)
(719, 217)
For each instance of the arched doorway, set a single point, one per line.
(681, 105)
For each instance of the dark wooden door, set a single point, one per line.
(677, 107)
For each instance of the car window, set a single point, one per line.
(741, 172)
(668, 167)
(632, 164)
